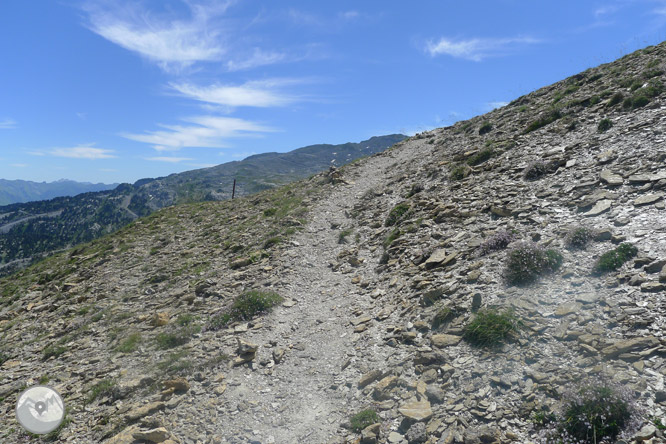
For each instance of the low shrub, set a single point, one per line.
(245, 307)
(618, 97)
(527, 261)
(578, 237)
(594, 412)
(364, 419)
(443, 316)
(53, 350)
(536, 170)
(490, 327)
(342, 237)
(175, 363)
(485, 128)
(614, 259)
(393, 235)
(397, 214)
(130, 344)
(498, 241)
(272, 241)
(481, 156)
(459, 171)
(104, 387)
(176, 337)
(604, 125)
(546, 119)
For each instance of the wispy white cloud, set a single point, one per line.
(494, 105)
(78, 152)
(8, 124)
(172, 43)
(201, 132)
(350, 15)
(262, 93)
(168, 159)
(19, 165)
(605, 10)
(258, 58)
(477, 49)
(305, 18)
(243, 155)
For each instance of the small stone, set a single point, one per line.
(653, 287)
(246, 347)
(647, 432)
(369, 434)
(159, 319)
(395, 438)
(440, 258)
(155, 435)
(124, 437)
(629, 345)
(417, 433)
(444, 340)
(278, 355)
(648, 199)
(417, 411)
(600, 207)
(568, 308)
(144, 410)
(383, 388)
(660, 396)
(178, 384)
(369, 378)
(610, 178)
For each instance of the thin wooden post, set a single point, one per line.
(233, 190)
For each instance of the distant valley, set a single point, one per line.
(29, 231)
(19, 191)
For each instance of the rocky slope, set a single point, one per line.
(381, 265)
(33, 230)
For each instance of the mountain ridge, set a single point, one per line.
(21, 191)
(32, 230)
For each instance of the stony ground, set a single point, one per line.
(364, 291)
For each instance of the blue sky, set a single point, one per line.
(113, 91)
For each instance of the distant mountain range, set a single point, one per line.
(31, 230)
(17, 191)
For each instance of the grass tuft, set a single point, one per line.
(397, 214)
(364, 419)
(245, 307)
(614, 259)
(491, 327)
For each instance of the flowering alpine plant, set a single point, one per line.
(498, 241)
(526, 261)
(599, 412)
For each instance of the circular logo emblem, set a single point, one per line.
(40, 409)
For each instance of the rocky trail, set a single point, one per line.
(305, 397)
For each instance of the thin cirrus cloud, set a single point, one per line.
(261, 93)
(477, 49)
(8, 124)
(78, 152)
(172, 44)
(168, 159)
(258, 58)
(200, 132)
